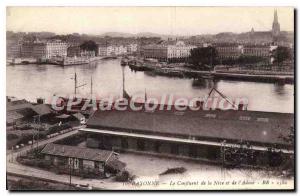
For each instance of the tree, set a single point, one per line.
(204, 57)
(89, 45)
(281, 54)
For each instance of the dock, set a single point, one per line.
(189, 73)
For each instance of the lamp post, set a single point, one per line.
(70, 171)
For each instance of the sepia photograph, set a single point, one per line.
(150, 98)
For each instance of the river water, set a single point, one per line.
(33, 81)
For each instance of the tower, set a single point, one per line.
(276, 25)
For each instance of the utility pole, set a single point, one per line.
(38, 130)
(70, 175)
(70, 171)
(223, 151)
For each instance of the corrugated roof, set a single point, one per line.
(76, 152)
(262, 127)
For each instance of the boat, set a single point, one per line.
(109, 57)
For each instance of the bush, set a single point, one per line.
(57, 128)
(123, 176)
(23, 127)
(11, 136)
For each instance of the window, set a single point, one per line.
(245, 118)
(210, 115)
(262, 119)
(179, 113)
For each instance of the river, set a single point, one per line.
(33, 81)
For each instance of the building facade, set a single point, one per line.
(81, 159)
(44, 50)
(132, 48)
(257, 50)
(13, 49)
(55, 49)
(111, 50)
(75, 51)
(229, 50)
(165, 52)
(27, 49)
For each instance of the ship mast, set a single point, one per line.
(91, 86)
(76, 86)
(75, 79)
(123, 78)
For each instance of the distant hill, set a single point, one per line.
(117, 34)
(126, 35)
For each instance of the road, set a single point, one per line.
(147, 168)
(12, 166)
(12, 154)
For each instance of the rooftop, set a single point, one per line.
(253, 126)
(17, 105)
(42, 109)
(76, 152)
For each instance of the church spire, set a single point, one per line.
(275, 17)
(276, 25)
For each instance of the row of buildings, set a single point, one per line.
(37, 49)
(259, 44)
(165, 52)
(234, 51)
(162, 52)
(116, 50)
(57, 48)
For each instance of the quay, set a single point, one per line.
(66, 61)
(182, 72)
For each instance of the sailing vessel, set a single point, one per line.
(79, 106)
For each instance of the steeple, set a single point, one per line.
(275, 17)
(276, 25)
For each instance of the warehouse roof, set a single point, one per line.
(261, 127)
(77, 152)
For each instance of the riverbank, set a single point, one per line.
(184, 72)
(66, 61)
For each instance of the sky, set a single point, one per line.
(163, 20)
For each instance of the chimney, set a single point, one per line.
(241, 106)
(200, 104)
(40, 100)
